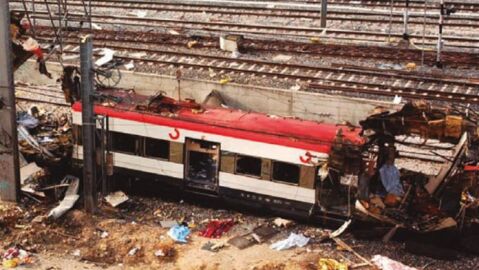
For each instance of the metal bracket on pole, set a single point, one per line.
(9, 165)
(89, 124)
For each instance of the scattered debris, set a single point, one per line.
(231, 43)
(133, 251)
(331, 264)
(385, 263)
(345, 246)
(282, 58)
(213, 247)
(116, 198)
(168, 223)
(298, 240)
(242, 241)
(107, 57)
(130, 65)
(216, 228)
(71, 196)
(282, 223)
(76, 253)
(191, 44)
(263, 233)
(15, 256)
(179, 233)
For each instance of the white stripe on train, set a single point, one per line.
(227, 180)
(235, 145)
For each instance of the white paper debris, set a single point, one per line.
(397, 99)
(107, 57)
(96, 26)
(385, 263)
(116, 198)
(130, 65)
(140, 13)
(282, 58)
(293, 240)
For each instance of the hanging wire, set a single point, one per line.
(27, 13)
(34, 11)
(60, 32)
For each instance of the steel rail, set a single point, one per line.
(451, 59)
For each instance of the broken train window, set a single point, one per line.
(157, 148)
(248, 165)
(125, 143)
(286, 172)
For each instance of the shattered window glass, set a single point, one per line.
(248, 165)
(285, 172)
(121, 142)
(157, 148)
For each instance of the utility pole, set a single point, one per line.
(89, 124)
(439, 36)
(324, 13)
(405, 34)
(9, 165)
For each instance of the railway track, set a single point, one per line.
(40, 94)
(458, 60)
(461, 6)
(333, 15)
(219, 28)
(350, 80)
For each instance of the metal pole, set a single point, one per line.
(9, 165)
(390, 21)
(423, 33)
(89, 124)
(406, 19)
(324, 13)
(439, 36)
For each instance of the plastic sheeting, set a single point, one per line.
(179, 233)
(293, 240)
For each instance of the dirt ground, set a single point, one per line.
(103, 241)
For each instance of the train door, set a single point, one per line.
(202, 165)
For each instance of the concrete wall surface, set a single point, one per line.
(284, 102)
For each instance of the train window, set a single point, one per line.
(157, 148)
(248, 165)
(285, 172)
(122, 142)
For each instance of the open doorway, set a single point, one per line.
(202, 164)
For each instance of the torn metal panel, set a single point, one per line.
(449, 168)
(71, 196)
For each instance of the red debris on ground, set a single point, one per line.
(216, 228)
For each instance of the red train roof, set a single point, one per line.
(292, 132)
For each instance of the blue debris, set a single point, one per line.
(179, 233)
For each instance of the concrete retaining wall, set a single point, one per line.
(285, 102)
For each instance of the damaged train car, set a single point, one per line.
(290, 166)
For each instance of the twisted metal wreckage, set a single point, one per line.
(360, 179)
